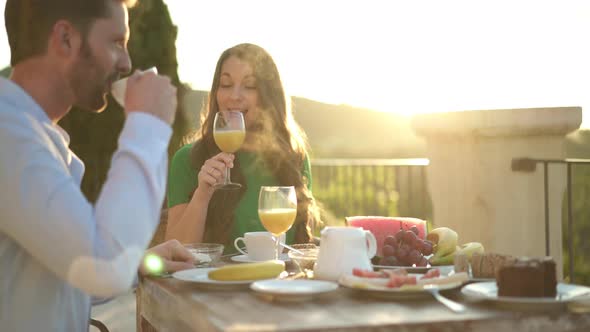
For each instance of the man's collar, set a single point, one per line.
(12, 93)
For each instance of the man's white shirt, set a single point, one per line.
(57, 249)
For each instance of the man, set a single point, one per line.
(56, 249)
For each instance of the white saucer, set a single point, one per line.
(246, 259)
(293, 290)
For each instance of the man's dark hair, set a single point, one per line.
(29, 22)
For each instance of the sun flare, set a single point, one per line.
(400, 56)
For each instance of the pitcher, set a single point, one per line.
(342, 249)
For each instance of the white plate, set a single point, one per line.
(408, 292)
(293, 290)
(444, 269)
(200, 277)
(246, 259)
(489, 291)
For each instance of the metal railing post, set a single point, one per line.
(546, 195)
(528, 165)
(570, 223)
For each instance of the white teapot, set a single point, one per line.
(342, 249)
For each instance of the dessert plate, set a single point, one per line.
(489, 291)
(293, 290)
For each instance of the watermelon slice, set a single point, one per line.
(381, 227)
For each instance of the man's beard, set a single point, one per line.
(88, 81)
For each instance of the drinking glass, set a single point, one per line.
(229, 132)
(277, 209)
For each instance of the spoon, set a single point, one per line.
(292, 249)
(454, 306)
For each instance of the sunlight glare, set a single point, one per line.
(404, 57)
(153, 264)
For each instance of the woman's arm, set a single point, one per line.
(186, 221)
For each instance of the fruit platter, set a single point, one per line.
(404, 242)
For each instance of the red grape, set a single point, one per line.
(423, 262)
(403, 251)
(414, 257)
(388, 250)
(410, 237)
(390, 240)
(399, 236)
(426, 247)
(405, 248)
(389, 261)
(418, 245)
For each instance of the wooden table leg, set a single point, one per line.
(142, 324)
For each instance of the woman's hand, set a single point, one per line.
(213, 172)
(167, 257)
(186, 222)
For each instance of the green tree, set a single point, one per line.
(94, 136)
(578, 146)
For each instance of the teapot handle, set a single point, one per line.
(372, 242)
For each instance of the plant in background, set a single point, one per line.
(94, 136)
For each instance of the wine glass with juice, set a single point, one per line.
(229, 132)
(277, 209)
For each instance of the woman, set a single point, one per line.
(274, 153)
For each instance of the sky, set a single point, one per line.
(406, 57)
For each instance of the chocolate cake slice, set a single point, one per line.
(528, 277)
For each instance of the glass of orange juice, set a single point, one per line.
(229, 132)
(277, 209)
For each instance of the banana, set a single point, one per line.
(448, 259)
(470, 248)
(467, 249)
(445, 240)
(248, 271)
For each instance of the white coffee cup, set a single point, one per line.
(119, 88)
(260, 246)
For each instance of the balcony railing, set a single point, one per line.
(529, 165)
(380, 187)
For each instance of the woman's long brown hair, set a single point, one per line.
(275, 134)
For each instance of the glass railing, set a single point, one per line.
(377, 187)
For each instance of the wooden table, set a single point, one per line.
(168, 304)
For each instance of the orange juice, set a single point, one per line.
(277, 221)
(229, 140)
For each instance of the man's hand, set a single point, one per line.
(170, 256)
(151, 93)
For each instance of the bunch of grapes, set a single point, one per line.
(405, 248)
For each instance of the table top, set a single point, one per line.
(168, 304)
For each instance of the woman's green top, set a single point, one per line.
(183, 180)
